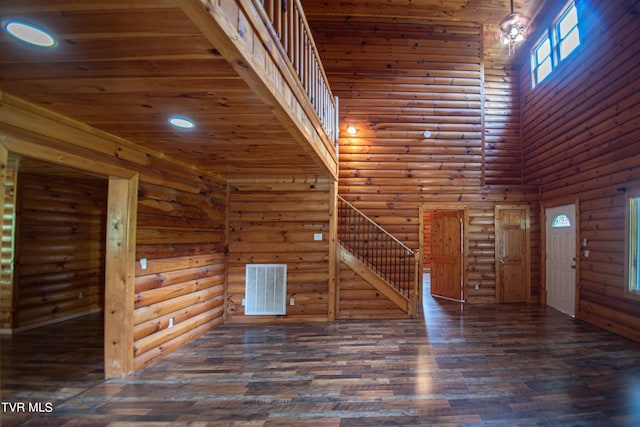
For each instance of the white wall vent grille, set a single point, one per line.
(266, 289)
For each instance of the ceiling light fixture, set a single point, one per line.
(181, 123)
(513, 30)
(351, 130)
(29, 34)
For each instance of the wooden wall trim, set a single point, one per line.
(333, 256)
(120, 276)
(35, 128)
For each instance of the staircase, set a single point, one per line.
(376, 256)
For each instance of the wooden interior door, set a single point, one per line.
(446, 254)
(512, 253)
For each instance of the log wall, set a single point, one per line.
(274, 223)
(60, 235)
(581, 129)
(502, 136)
(180, 294)
(396, 80)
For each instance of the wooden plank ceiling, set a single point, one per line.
(126, 66)
(485, 13)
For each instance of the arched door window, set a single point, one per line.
(561, 221)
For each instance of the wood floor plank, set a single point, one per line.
(493, 365)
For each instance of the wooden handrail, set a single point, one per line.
(288, 25)
(377, 248)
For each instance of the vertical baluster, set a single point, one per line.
(353, 230)
(391, 252)
(277, 16)
(405, 264)
(347, 231)
(301, 50)
(295, 47)
(386, 258)
(285, 25)
(321, 96)
(348, 214)
(370, 242)
(314, 88)
(348, 224)
(363, 240)
(309, 66)
(304, 59)
(410, 263)
(394, 263)
(374, 247)
(391, 262)
(291, 39)
(402, 267)
(366, 241)
(359, 235)
(341, 221)
(407, 279)
(312, 72)
(320, 108)
(268, 7)
(363, 237)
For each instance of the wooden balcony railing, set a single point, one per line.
(286, 20)
(374, 246)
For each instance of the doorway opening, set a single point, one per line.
(59, 243)
(119, 252)
(54, 321)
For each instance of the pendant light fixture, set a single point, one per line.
(513, 30)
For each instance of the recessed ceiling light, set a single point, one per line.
(352, 130)
(181, 122)
(30, 34)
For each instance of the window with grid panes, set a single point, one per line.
(556, 44)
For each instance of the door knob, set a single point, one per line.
(501, 260)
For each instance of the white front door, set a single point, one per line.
(561, 258)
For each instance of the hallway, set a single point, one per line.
(468, 365)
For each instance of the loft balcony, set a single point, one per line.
(246, 72)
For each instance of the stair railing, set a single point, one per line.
(289, 26)
(373, 245)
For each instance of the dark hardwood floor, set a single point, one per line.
(493, 365)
